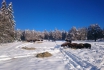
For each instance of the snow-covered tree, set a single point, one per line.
(103, 33)
(18, 34)
(46, 34)
(82, 34)
(77, 34)
(7, 32)
(10, 14)
(40, 35)
(29, 35)
(73, 33)
(51, 35)
(32, 35)
(58, 34)
(94, 32)
(64, 35)
(4, 7)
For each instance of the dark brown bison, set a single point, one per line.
(34, 40)
(67, 40)
(65, 44)
(72, 45)
(29, 40)
(80, 46)
(41, 39)
(76, 46)
(87, 45)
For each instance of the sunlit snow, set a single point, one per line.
(13, 57)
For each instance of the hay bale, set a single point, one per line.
(44, 54)
(27, 48)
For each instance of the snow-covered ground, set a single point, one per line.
(13, 57)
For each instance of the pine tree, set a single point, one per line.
(4, 7)
(3, 21)
(6, 23)
(10, 14)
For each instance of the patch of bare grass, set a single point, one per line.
(28, 48)
(44, 54)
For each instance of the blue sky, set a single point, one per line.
(60, 14)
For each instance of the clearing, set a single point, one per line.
(14, 57)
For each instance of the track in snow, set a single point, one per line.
(76, 63)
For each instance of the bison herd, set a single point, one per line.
(76, 46)
(34, 40)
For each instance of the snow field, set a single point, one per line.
(13, 57)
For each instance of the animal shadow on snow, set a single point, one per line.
(57, 46)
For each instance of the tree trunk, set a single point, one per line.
(95, 37)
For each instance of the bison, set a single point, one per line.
(68, 40)
(76, 46)
(87, 45)
(72, 45)
(65, 44)
(28, 40)
(80, 46)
